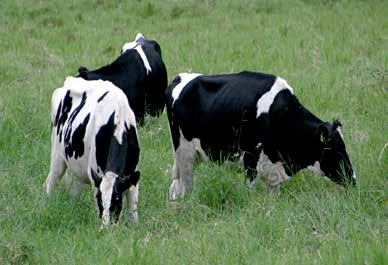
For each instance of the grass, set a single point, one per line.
(334, 55)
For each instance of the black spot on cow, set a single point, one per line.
(103, 95)
(69, 149)
(132, 150)
(76, 146)
(58, 114)
(103, 139)
(62, 113)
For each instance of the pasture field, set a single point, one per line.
(334, 55)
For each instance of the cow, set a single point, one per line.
(255, 117)
(140, 72)
(93, 135)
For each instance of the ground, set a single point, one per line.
(334, 55)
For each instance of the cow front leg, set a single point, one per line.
(273, 173)
(184, 158)
(132, 199)
(250, 160)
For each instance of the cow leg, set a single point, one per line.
(73, 184)
(132, 199)
(184, 158)
(250, 160)
(273, 173)
(57, 169)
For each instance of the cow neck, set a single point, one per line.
(300, 140)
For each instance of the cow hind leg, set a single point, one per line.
(73, 184)
(184, 158)
(57, 169)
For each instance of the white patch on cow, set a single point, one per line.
(106, 188)
(273, 173)
(135, 45)
(266, 100)
(139, 36)
(185, 79)
(316, 169)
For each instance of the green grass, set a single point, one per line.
(334, 55)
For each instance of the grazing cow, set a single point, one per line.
(140, 72)
(253, 115)
(94, 136)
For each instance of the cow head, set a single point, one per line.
(109, 194)
(335, 162)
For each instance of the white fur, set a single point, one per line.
(266, 100)
(185, 79)
(274, 173)
(106, 188)
(139, 36)
(316, 169)
(135, 45)
(184, 159)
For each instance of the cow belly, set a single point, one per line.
(220, 151)
(78, 168)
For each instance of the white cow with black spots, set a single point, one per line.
(94, 137)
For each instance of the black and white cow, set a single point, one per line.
(257, 116)
(94, 136)
(140, 72)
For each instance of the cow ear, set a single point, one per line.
(130, 180)
(96, 178)
(323, 130)
(83, 72)
(336, 123)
